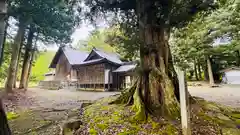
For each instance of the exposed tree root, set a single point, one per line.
(126, 96)
(139, 105)
(161, 98)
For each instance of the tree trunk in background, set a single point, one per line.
(27, 60)
(210, 73)
(33, 51)
(205, 71)
(237, 58)
(2, 41)
(4, 128)
(30, 66)
(195, 69)
(14, 57)
(18, 61)
(199, 70)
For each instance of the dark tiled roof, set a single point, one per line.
(73, 56)
(92, 61)
(125, 68)
(79, 58)
(113, 57)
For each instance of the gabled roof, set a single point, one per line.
(73, 56)
(125, 68)
(112, 57)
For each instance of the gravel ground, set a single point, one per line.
(64, 99)
(226, 94)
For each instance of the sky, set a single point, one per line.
(81, 32)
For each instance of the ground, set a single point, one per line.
(42, 111)
(224, 94)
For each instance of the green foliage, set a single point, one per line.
(55, 20)
(6, 62)
(41, 65)
(199, 39)
(97, 39)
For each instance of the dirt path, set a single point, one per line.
(64, 99)
(41, 111)
(226, 95)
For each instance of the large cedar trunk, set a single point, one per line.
(26, 60)
(14, 57)
(156, 89)
(210, 73)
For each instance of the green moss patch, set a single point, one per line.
(103, 118)
(12, 115)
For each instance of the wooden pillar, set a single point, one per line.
(117, 81)
(184, 103)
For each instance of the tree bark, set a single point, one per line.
(14, 57)
(199, 70)
(33, 51)
(3, 26)
(195, 70)
(18, 61)
(27, 59)
(237, 58)
(205, 70)
(30, 66)
(210, 73)
(4, 128)
(157, 87)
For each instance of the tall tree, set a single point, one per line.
(156, 89)
(4, 128)
(27, 58)
(18, 64)
(15, 53)
(201, 39)
(54, 19)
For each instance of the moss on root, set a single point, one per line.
(126, 95)
(102, 118)
(138, 106)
